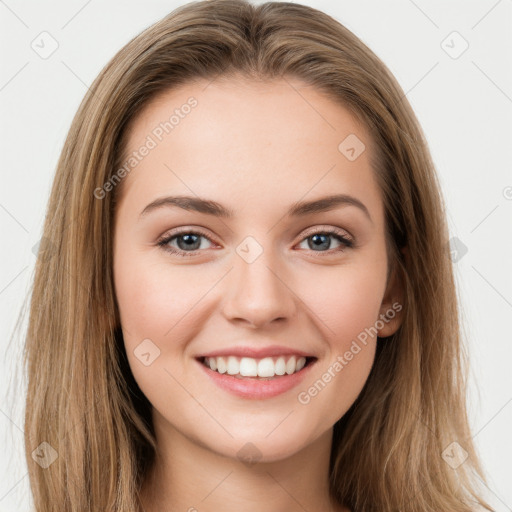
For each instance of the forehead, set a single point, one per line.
(247, 142)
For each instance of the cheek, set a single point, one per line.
(160, 305)
(345, 301)
(154, 298)
(156, 309)
(346, 306)
(342, 374)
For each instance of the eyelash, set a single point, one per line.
(163, 242)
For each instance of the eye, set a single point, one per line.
(322, 240)
(189, 241)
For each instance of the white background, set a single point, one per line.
(464, 105)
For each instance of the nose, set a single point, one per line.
(257, 294)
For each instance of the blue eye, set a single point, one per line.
(186, 240)
(189, 242)
(321, 240)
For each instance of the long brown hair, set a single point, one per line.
(389, 450)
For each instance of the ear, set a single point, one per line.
(390, 314)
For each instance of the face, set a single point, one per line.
(268, 282)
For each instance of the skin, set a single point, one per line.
(255, 147)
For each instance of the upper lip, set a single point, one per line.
(256, 352)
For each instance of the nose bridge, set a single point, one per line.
(257, 291)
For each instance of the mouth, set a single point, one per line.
(256, 379)
(258, 369)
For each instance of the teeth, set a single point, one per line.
(233, 365)
(249, 367)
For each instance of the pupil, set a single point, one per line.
(323, 244)
(189, 241)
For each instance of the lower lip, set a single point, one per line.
(256, 388)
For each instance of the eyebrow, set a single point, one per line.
(298, 209)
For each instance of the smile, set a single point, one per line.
(252, 378)
(267, 367)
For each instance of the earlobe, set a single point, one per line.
(390, 320)
(390, 314)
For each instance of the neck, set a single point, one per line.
(190, 477)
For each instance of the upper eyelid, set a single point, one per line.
(333, 230)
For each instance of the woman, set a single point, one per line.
(245, 300)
